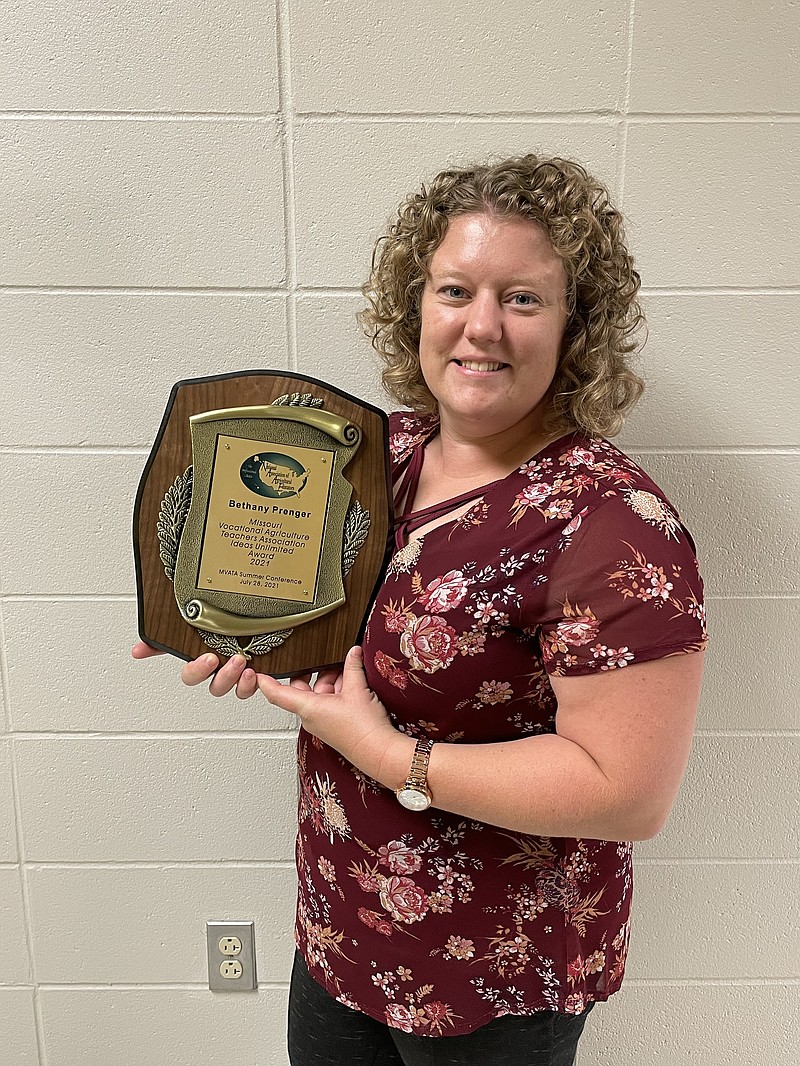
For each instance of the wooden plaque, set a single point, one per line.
(262, 521)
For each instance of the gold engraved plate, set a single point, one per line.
(261, 548)
(265, 520)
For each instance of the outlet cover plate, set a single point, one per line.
(245, 931)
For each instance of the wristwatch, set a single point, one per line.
(415, 794)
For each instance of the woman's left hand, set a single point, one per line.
(341, 709)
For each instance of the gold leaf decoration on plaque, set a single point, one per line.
(297, 399)
(171, 518)
(356, 528)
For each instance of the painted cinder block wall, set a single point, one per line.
(193, 187)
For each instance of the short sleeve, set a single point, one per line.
(623, 588)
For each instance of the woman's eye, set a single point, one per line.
(455, 292)
(524, 299)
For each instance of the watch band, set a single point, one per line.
(418, 774)
(415, 794)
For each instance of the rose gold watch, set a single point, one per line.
(415, 794)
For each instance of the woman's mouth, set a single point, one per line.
(485, 367)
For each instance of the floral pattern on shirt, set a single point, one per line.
(574, 564)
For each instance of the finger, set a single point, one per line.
(199, 670)
(283, 696)
(140, 650)
(247, 684)
(301, 681)
(326, 679)
(227, 677)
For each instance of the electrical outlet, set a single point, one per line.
(231, 956)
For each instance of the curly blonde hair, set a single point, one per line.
(594, 387)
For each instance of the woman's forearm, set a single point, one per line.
(546, 785)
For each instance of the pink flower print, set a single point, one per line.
(559, 509)
(398, 678)
(388, 668)
(575, 969)
(617, 657)
(404, 900)
(394, 621)
(429, 643)
(661, 587)
(399, 858)
(534, 494)
(577, 631)
(578, 457)
(445, 592)
(622, 477)
(365, 881)
(575, 524)
(383, 927)
(399, 443)
(399, 1017)
(484, 612)
(383, 664)
(327, 869)
(436, 1012)
(575, 1003)
(368, 917)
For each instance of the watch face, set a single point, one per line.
(414, 799)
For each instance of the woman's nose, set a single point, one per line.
(484, 319)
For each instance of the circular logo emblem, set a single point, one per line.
(273, 474)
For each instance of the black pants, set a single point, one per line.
(323, 1032)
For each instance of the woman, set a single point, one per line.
(529, 676)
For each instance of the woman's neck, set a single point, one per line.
(461, 456)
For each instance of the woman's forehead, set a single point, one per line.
(514, 244)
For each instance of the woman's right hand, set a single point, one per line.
(234, 674)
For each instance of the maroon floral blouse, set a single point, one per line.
(573, 564)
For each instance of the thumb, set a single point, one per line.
(353, 676)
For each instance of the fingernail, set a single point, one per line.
(209, 660)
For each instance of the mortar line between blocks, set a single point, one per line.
(143, 290)
(154, 986)
(460, 117)
(30, 735)
(5, 695)
(572, 118)
(631, 447)
(699, 982)
(340, 290)
(196, 864)
(600, 117)
(752, 733)
(22, 870)
(623, 147)
(223, 117)
(711, 860)
(286, 104)
(70, 597)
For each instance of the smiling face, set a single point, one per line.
(493, 318)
